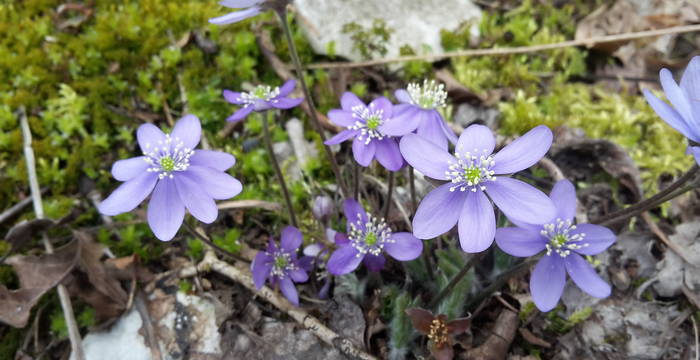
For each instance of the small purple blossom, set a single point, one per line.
(262, 98)
(314, 258)
(280, 265)
(684, 116)
(563, 243)
(418, 113)
(367, 239)
(322, 208)
(471, 174)
(250, 8)
(178, 175)
(365, 124)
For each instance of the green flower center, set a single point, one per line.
(558, 240)
(371, 239)
(260, 92)
(167, 163)
(281, 262)
(373, 122)
(472, 174)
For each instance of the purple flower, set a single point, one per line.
(178, 175)
(322, 209)
(564, 243)
(471, 174)
(252, 8)
(280, 265)
(262, 98)
(684, 116)
(364, 124)
(314, 257)
(367, 238)
(418, 112)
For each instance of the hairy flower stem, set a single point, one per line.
(389, 193)
(205, 239)
(661, 197)
(455, 280)
(412, 182)
(500, 281)
(356, 180)
(276, 166)
(282, 14)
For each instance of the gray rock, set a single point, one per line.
(468, 114)
(674, 271)
(413, 23)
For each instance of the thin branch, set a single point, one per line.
(216, 248)
(500, 281)
(307, 321)
(73, 330)
(389, 193)
(512, 50)
(456, 279)
(276, 167)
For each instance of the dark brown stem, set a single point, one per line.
(651, 202)
(216, 248)
(356, 180)
(389, 193)
(456, 279)
(412, 182)
(500, 281)
(278, 170)
(282, 14)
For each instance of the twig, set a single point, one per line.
(511, 50)
(660, 234)
(216, 248)
(73, 331)
(16, 208)
(276, 167)
(308, 321)
(249, 204)
(389, 193)
(412, 182)
(500, 281)
(455, 280)
(697, 341)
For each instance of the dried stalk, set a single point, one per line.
(73, 331)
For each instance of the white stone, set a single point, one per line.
(414, 23)
(122, 341)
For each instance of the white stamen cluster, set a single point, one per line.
(368, 121)
(561, 241)
(261, 92)
(282, 264)
(372, 238)
(168, 156)
(429, 96)
(471, 170)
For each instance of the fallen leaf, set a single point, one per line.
(23, 233)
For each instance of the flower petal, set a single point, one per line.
(340, 137)
(521, 201)
(563, 196)
(198, 202)
(341, 239)
(676, 95)
(217, 184)
(149, 136)
(374, 262)
(384, 105)
(218, 160)
(235, 16)
(261, 267)
(403, 96)
(405, 120)
(239, 3)
(438, 212)
(477, 223)
(286, 103)
(129, 194)
(671, 116)
(240, 114)
(287, 87)
(188, 130)
(127, 169)
(421, 319)
(350, 100)
(431, 129)
(405, 247)
(354, 212)
(585, 277)
(524, 152)
(289, 290)
(449, 133)
(298, 275)
(344, 260)
(341, 117)
(520, 242)
(695, 151)
(291, 239)
(388, 154)
(597, 237)
(165, 210)
(476, 139)
(233, 97)
(426, 157)
(547, 282)
(363, 153)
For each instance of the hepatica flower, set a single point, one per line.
(280, 265)
(368, 238)
(262, 98)
(472, 173)
(439, 331)
(364, 124)
(418, 112)
(564, 244)
(178, 175)
(684, 116)
(250, 8)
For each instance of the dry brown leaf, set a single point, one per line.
(37, 275)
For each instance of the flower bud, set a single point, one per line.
(323, 206)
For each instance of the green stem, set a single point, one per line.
(456, 279)
(282, 14)
(276, 167)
